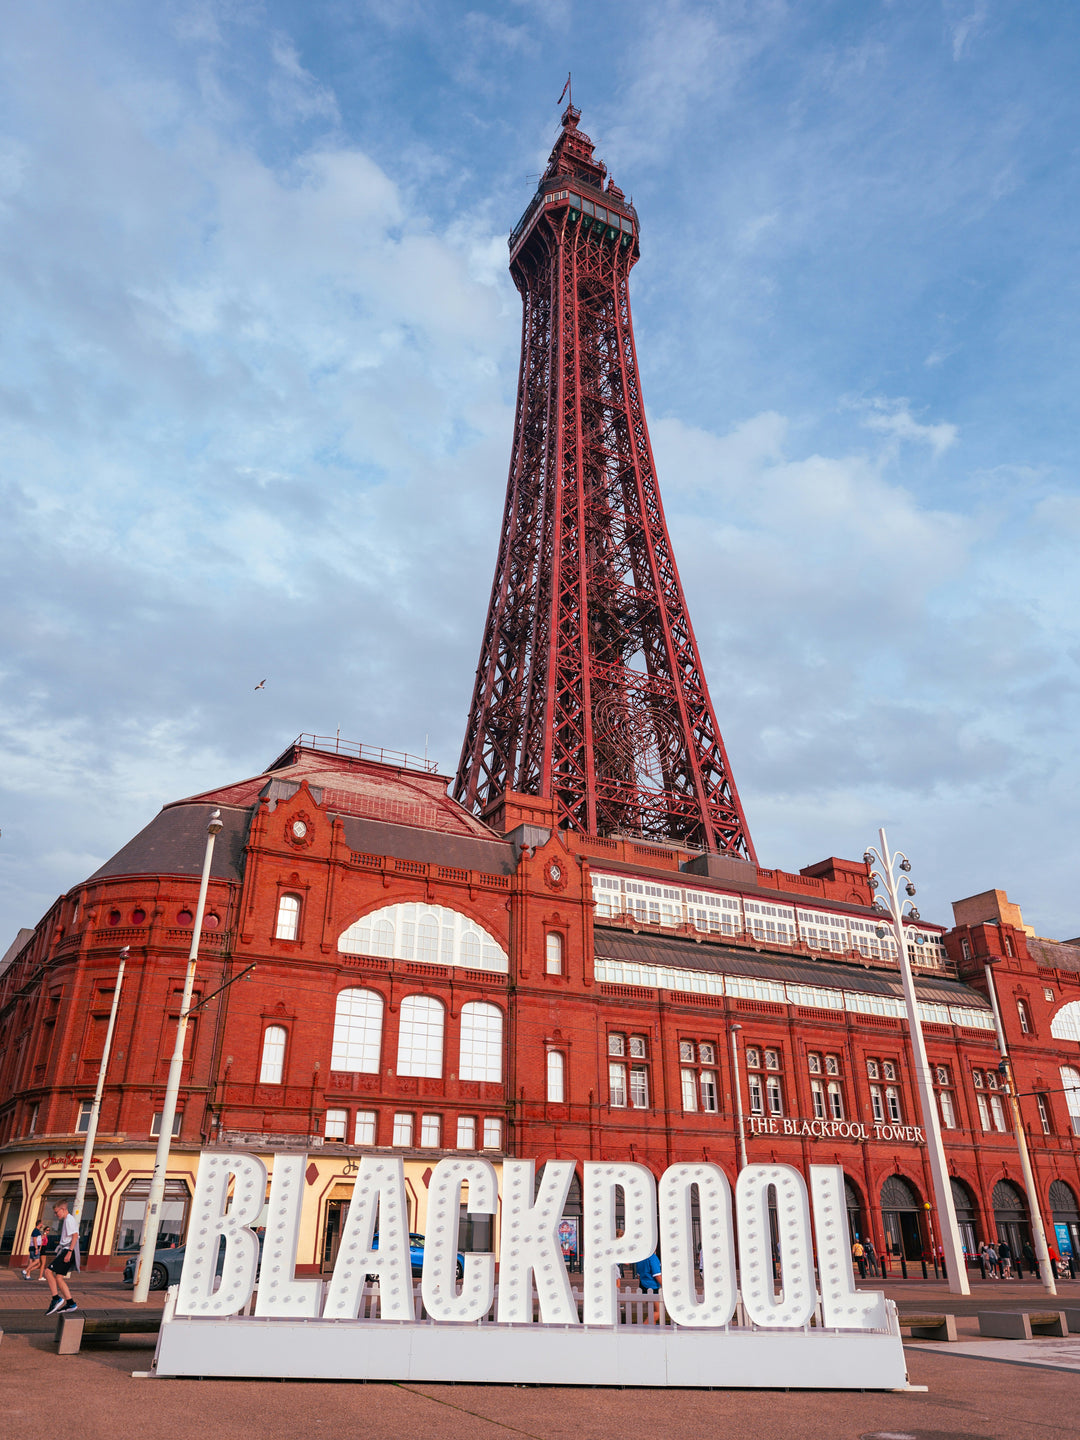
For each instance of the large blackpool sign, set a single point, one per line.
(772, 1320)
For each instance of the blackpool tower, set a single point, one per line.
(590, 690)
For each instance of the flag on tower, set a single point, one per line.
(565, 88)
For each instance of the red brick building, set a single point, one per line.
(427, 982)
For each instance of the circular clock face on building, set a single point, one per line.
(299, 829)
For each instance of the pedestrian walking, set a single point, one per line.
(992, 1259)
(858, 1254)
(64, 1261)
(871, 1256)
(39, 1241)
(1005, 1260)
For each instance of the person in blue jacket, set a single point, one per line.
(648, 1274)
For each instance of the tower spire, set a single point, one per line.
(590, 690)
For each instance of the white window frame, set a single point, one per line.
(480, 1050)
(287, 925)
(421, 1029)
(556, 1077)
(553, 958)
(877, 1104)
(272, 1064)
(430, 1132)
(617, 1092)
(336, 1125)
(639, 1087)
(364, 1127)
(688, 1083)
(466, 1132)
(404, 1121)
(710, 1092)
(358, 1022)
(493, 1132)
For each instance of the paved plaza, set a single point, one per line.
(1000, 1390)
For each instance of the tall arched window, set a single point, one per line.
(273, 1055)
(1024, 1017)
(554, 954)
(357, 1031)
(288, 918)
(481, 1043)
(1070, 1083)
(420, 1036)
(1066, 1023)
(556, 1071)
(430, 934)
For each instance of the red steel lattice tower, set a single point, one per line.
(590, 689)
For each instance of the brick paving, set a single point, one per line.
(94, 1394)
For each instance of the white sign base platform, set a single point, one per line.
(246, 1346)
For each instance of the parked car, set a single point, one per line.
(168, 1262)
(416, 1255)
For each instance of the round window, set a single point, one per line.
(185, 917)
(114, 917)
(138, 916)
(211, 921)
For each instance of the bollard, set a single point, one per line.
(923, 1263)
(903, 1265)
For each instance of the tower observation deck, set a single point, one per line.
(590, 690)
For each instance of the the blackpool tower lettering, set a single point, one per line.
(590, 689)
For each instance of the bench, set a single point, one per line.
(73, 1328)
(1022, 1324)
(929, 1327)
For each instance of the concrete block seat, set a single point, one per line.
(1022, 1324)
(929, 1327)
(73, 1328)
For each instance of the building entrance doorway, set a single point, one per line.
(901, 1216)
(10, 1211)
(1011, 1216)
(1065, 1217)
(964, 1205)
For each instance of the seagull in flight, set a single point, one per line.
(260, 685)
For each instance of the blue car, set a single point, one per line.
(416, 1255)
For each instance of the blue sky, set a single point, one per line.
(258, 368)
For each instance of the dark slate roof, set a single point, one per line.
(374, 837)
(686, 954)
(1063, 955)
(174, 843)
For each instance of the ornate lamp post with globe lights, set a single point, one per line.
(886, 870)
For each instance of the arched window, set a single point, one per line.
(357, 1031)
(273, 1055)
(1066, 1023)
(554, 954)
(431, 934)
(481, 1043)
(1070, 1083)
(1025, 1018)
(420, 1036)
(288, 918)
(556, 1071)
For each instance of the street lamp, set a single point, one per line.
(172, 1089)
(738, 1094)
(886, 874)
(1042, 1254)
(95, 1108)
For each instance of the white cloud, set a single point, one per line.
(894, 419)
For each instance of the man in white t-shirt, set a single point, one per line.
(65, 1260)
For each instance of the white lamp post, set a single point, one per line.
(172, 1090)
(1042, 1254)
(738, 1095)
(884, 868)
(95, 1108)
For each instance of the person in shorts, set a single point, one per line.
(64, 1261)
(39, 1239)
